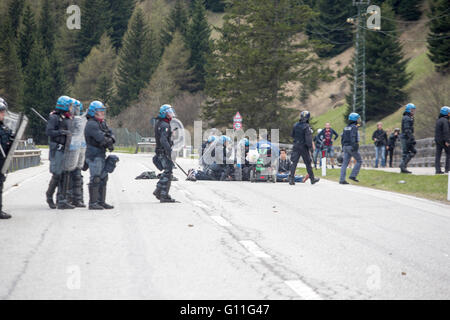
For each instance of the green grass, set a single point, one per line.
(420, 66)
(42, 146)
(334, 116)
(429, 187)
(131, 150)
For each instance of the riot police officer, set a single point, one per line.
(302, 134)
(58, 130)
(442, 139)
(99, 138)
(6, 139)
(350, 148)
(407, 137)
(75, 193)
(164, 143)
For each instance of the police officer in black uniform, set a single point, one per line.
(442, 139)
(163, 157)
(350, 148)
(6, 139)
(99, 138)
(407, 138)
(58, 130)
(302, 134)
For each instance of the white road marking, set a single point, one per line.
(302, 290)
(254, 249)
(221, 221)
(185, 192)
(200, 204)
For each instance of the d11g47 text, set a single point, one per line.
(228, 310)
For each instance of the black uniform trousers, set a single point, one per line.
(301, 151)
(439, 149)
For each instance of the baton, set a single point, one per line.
(38, 114)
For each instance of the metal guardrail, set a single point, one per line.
(425, 157)
(26, 156)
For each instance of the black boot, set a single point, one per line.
(78, 190)
(292, 180)
(93, 197)
(4, 215)
(51, 191)
(157, 193)
(102, 196)
(62, 203)
(315, 180)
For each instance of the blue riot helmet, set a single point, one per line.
(354, 117)
(410, 107)
(211, 139)
(64, 103)
(166, 111)
(95, 107)
(445, 111)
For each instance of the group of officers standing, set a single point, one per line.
(90, 154)
(98, 138)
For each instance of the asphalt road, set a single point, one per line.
(224, 240)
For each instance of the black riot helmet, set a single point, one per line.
(305, 116)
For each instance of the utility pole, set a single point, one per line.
(359, 77)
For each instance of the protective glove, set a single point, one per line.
(355, 147)
(65, 132)
(111, 148)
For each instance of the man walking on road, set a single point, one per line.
(442, 138)
(379, 138)
(302, 135)
(6, 138)
(328, 135)
(350, 147)
(391, 145)
(407, 138)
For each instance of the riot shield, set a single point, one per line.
(178, 137)
(17, 123)
(73, 148)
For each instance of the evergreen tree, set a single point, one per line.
(138, 59)
(104, 89)
(101, 62)
(121, 11)
(176, 21)
(11, 80)
(215, 5)
(47, 26)
(198, 41)
(330, 27)
(439, 36)
(26, 36)
(254, 60)
(407, 9)
(15, 9)
(35, 80)
(95, 21)
(386, 75)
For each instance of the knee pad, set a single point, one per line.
(96, 180)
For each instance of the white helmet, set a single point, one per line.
(319, 131)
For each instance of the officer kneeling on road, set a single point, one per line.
(303, 146)
(99, 138)
(163, 157)
(6, 139)
(350, 148)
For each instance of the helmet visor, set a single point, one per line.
(170, 113)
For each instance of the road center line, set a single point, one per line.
(221, 221)
(254, 249)
(302, 290)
